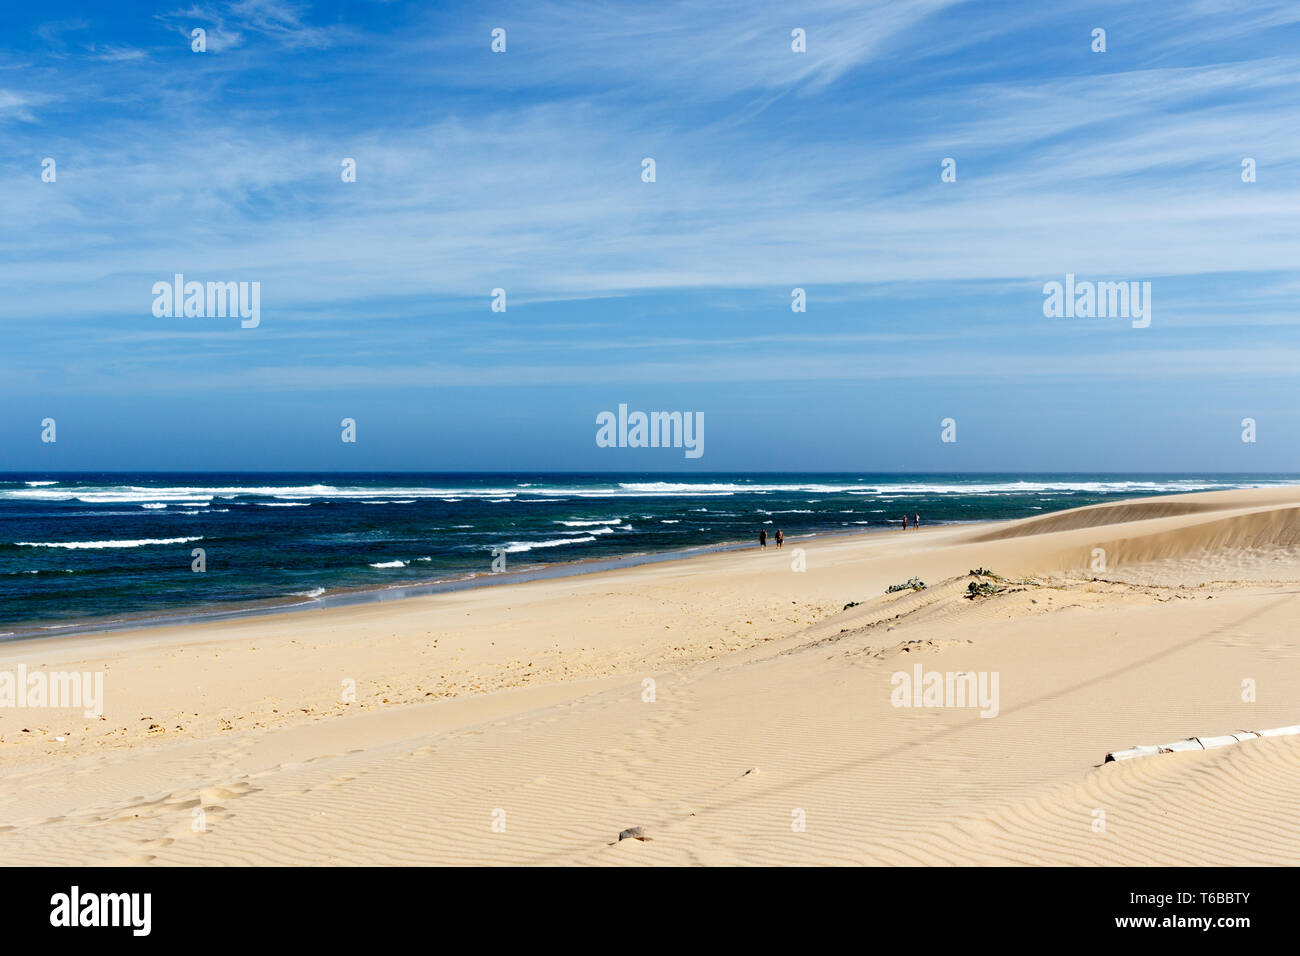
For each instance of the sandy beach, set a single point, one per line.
(730, 705)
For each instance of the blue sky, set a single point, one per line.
(774, 170)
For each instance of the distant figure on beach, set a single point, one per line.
(762, 538)
(904, 522)
(780, 538)
(916, 521)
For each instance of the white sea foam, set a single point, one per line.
(391, 564)
(960, 488)
(76, 545)
(135, 494)
(515, 547)
(95, 498)
(590, 524)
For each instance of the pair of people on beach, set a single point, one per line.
(762, 538)
(916, 521)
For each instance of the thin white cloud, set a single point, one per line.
(228, 25)
(1126, 174)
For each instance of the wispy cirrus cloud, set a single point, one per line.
(774, 169)
(233, 24)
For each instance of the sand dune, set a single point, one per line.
(729, 705)
(1260, 527)
(1144, 509)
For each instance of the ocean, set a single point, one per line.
(102, 551)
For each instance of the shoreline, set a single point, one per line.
(280, 583)
(355, 597)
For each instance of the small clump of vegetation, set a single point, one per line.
(912, 584)
(981, 589)
(852, 604)
(985, 573)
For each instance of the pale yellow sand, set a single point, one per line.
(525, 705)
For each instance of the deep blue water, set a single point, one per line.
(75, 548)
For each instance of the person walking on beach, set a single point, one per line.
(762, 538)
(904, 522)
(916, 521)
(780, 538)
